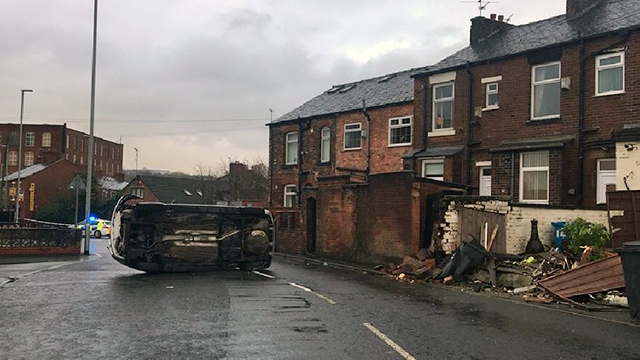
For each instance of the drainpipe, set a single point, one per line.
(300, 153)
(469, 119)
(366, 114)
(581, 124)
(424, 125)
(270, 169)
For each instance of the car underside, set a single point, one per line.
(161, 237)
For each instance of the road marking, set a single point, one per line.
(313, 292)
(262, 274)
(389, 342)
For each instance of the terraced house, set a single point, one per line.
(544, 113)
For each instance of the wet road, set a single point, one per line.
(99, 309)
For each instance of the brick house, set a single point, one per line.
(338, 181)
(533, 113)
(536, 108)
(41, 185)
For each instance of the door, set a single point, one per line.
(606, 176)
(485, 181)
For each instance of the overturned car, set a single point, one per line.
(160, 237)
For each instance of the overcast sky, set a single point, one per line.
(190, 82)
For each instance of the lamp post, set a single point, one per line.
(20, 152)
(84, 247)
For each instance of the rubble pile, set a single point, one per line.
(546, 277)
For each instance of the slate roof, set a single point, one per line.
(379, 91)
(172, 189)
(606, 17)
(26, 172)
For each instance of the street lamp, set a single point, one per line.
(20, 152)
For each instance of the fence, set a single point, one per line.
(37, 241)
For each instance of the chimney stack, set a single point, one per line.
(481, 27)
(575, 7)
(500, 18)
(493, 16)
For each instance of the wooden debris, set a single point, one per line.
(524, 289)
(536, 299)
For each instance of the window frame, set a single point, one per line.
(29, 158)
(358, 130)
(440, 101)
(325, 144)
(432, 161)
(137, 191)
(489, 92)
(400, 125)
(522, 171)
(535, 83)
(291, 156)
(46, 139)
(599, 173)
(12, 158)
(598, 68)
(30, 139)
(290, 195)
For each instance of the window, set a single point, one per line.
(545, 91)
(139, 192)
(534, 177)
(67, 141)
(13, 138)
(287, 220)
(0, 138)
(291, 149)
(610, 74)
(74, 159)
(30, 139)
(352, 136)
(290, 195)
(433, 169)
(75, 143)
(81, 160)
(492, 96)
(46, 139)
(443, 106)
(28, 158)
(325, 145)
(13, 158)
(606, 176)
(101, 150)
(400, 131)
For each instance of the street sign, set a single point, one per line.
(77, 183)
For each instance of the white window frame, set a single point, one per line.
(139, 192)
(29, 158)
(607, 67)
(523, 170)
(30, 139)
(400, 123)
(482, 176)
(601, 187)
(325, 144)
(46, 139)
(13, 158)
(291, 148)
(353, 128)
(535, 83)
(450, 99)
(290, 197)
(427, 162)
(489, 92)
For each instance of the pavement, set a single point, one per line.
(13, 268)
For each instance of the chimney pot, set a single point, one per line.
(500, 18)
(493, 16)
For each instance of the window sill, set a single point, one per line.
(490, 108)
(398, 145)
(445, 132)
(352, 149)
(610, 94)
(323, 163)
(289, 166)
(543, 121)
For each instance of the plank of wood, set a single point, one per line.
(493, 236)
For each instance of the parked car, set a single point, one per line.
(98, 227)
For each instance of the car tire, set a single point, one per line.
(97, 234)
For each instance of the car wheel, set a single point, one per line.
(97, 234)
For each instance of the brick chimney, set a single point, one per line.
(482, 27)
(575, 7)
(237, 168)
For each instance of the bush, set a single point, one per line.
(580, 233)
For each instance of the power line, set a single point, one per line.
(107, 120)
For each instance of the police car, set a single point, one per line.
(98, 227)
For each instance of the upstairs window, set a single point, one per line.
(545, 91)
(492, 96)
(325, 145)
(28, 158)
(443, 106)
(291, 151)
(290, 196)
(13, 158)
(30, 139)
(352, 136)
(139, 192)
(400, 131)
(13, 138)
(610, 74)
(46, 139)
(534, 177)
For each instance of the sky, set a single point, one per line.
(191, 84)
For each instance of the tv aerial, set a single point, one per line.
(481, 4)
